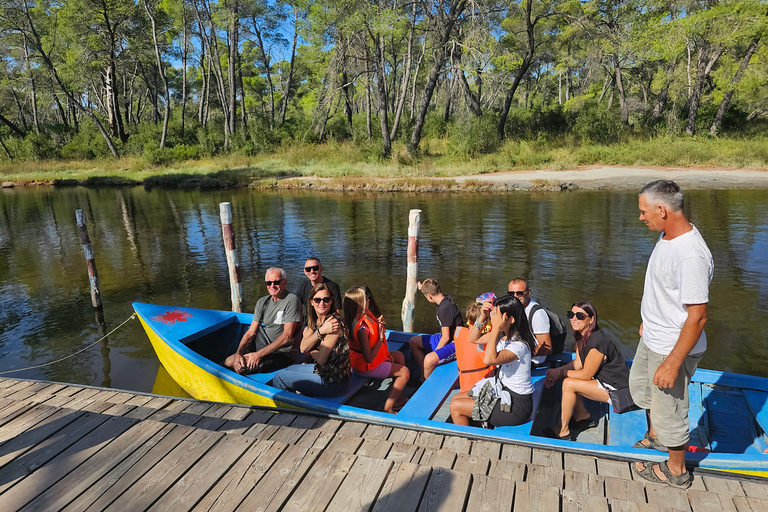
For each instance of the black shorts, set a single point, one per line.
(521, 409)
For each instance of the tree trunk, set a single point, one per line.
(33, 89)
(20, 110)
(416, 78)
(234, 29)
(15, 129)
(457, 7)
(184, 50)
(620, 87)
(734, 82)
(287, 92)
(704, 65)
(378, 45)
(406, 76)
(661, 101)
(266, 61)
(607, 83)
(368, 95)
(161, 72)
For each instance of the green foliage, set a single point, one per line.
(33, 147)
(593, 123)
(474, 136)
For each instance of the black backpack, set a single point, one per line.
(557, 330)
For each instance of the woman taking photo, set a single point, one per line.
(370, 356)
(325, 341)
(597, 372)
(508, 345)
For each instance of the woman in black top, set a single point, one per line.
(597, 368)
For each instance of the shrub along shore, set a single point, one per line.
(351, 166)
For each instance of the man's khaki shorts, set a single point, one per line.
(669, 407)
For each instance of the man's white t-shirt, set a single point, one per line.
(679, 272)
(539, 325)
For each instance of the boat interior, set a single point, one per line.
(728, 414)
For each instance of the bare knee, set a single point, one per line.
(415, 343)
(569, 385)
(431, 360)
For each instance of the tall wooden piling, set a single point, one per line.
(93, 276)
(233, 263)
(412, 279)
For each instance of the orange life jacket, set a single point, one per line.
(469, 359)
(356, 355)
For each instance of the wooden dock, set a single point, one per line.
(73, 448)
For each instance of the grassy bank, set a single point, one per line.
(354, 164)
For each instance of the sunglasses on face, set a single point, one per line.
(324, 300)
(579, 315)
(274, 283)
(519, 294)
(312, 268)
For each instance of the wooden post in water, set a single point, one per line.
(411, 282)
(93, 276)
(233, 264)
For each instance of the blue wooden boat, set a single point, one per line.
(728, 413)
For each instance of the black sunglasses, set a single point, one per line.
(275, 283)
(519, 294)
(324, 300)
(315, 268)
(579, 315)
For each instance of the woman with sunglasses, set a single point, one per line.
(325, 341)
(508, 345)
(598, 370)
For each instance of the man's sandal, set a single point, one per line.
(680, 481)
(653, 444)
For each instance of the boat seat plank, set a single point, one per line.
(432, 392)
(627, 428)
(698, 420)
(758, 403)
(525, 428)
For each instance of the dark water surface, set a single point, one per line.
(165, 247)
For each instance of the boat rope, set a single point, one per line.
(75, 353)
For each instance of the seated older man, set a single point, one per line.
(276, 328)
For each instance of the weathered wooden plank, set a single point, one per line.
(237, 413)
(27, 439)
(287, 435)
(429, 440)
(345, 444)
(614, 468)
(210, 423)
(309, 438)
(489, 494)
(742, 504)
(663, 495)
(52, 460)
(196, 482)
(118, 409)
(281, 480)
(16, 386)
(98, 407)
(535, 497)
(25, 421)
(130, 444)
(374, 448)
(120, 398)
(238, 427)
(261, 431)
(403, 488)
(618, 505)
(241, 478)
(402, 452)
(580, 463)
(723, 485)
(323, 439)
(702, 501)
(624, 490)
(281, 419)
(457, 444)
(576, 482)
(399, 435)
(166, 472)
(352, 429)
(139, 412)
(358, 491)
(139, 400)
(327, 425)
(13, 410)
(446, 490)
(755, 490)
(544, 476)
(489, 449)
(475, 464)
(115, 483)
(198, 408)
(547, 458)
(304, 421)
(507, 470)
(217, 410)
(577, 502)
(597, 485)
(439, 459)
(516, 453)
(377, 432)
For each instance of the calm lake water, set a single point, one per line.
(165, 247)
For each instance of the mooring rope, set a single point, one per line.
(75, 353)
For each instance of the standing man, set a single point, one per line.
(268, 343)
(539, 321)
(672, 339)
(313, 269)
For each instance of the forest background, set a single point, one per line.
(131, 89)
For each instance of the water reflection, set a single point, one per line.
(165, 247)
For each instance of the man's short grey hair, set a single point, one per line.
(664, 192)
(283, 275)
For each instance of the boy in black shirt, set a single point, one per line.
(431, 350)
